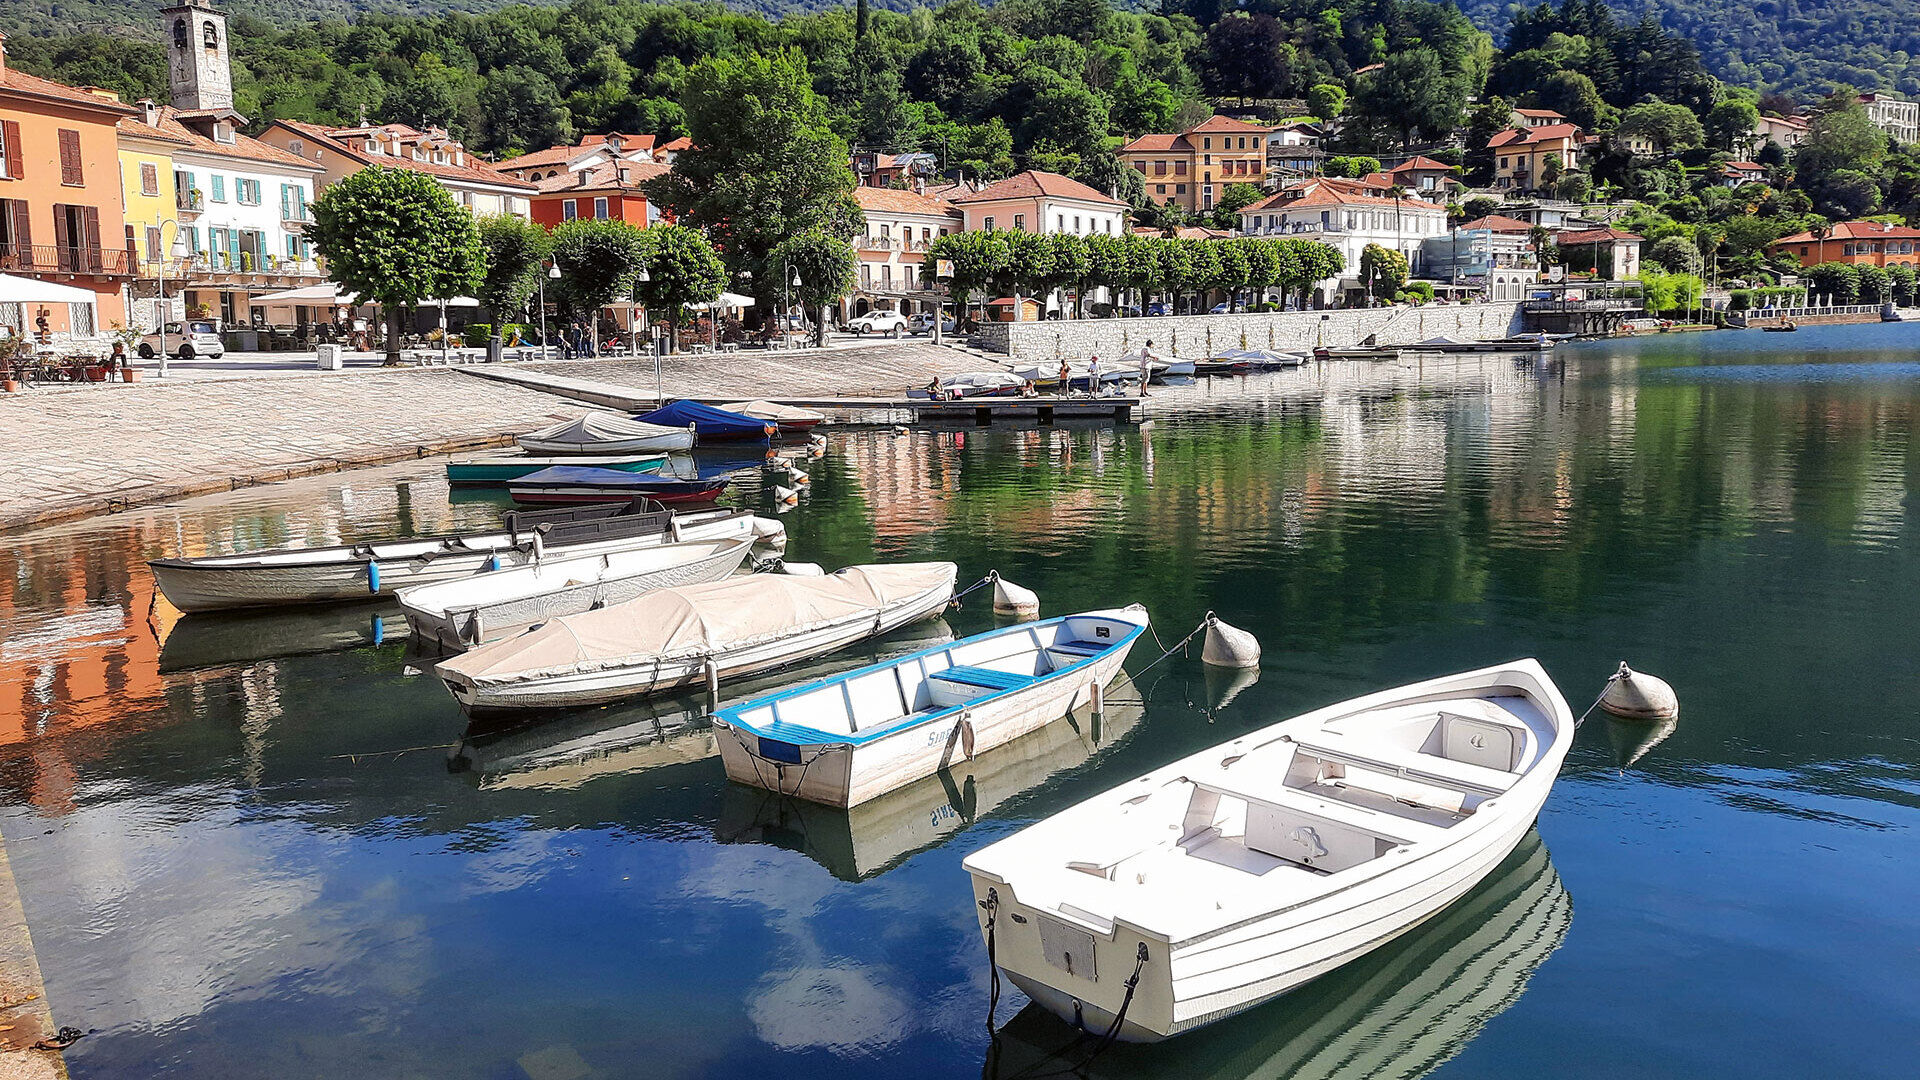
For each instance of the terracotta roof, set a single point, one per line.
(604, 177)
(1543, 133)
(243, 147)
(1368, 68)
(19, 82)
(338, 140)
(948, 191)
(1034, 184)
(895, 201)
(1594, 236)
(1499, 223)
(1216, 123)
(679, 144)
(1540, 112)
(560, 155)
(1322, 195)
(1854, 230)
(1744, 166)
(1178, 141)
(1147, 144)
(1421, 164)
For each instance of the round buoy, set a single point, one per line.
(803, 569)
(1011, 599)
(795, 476)
(785, 495)
(769, 532)
(1229, 646)
(1635, 695)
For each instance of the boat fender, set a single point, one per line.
(1636, 695)
(379, 630)
(966, 735)
(803, 569)
(786, 496)
(769, 532)
(539, 546)
(373, 578)
(1011, 599)
(796, 476)
(1229, 646)
(712, 670)
(493, 562)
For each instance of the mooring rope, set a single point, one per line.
(1119, 1018)
(1177, 646)
(1608, 685)
(992, 904)
(992, 576)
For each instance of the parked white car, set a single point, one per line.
(881, 322)
(923, 323)
(195, 337)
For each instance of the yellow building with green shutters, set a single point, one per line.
(152, 207)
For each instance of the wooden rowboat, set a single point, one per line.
(1234, 875)
(497, 469)
(576, 484)
(848, 739)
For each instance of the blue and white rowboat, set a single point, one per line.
(850, 738)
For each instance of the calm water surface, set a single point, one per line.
(267, 847)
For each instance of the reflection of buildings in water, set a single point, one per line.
(1400, 1012)
(870, 838)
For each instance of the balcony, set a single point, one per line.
(242, 268)
(54, 259)
(188, 201)
(876, 243)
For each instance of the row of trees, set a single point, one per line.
(1036, 264)
(1847, 283)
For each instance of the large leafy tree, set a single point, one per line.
(516, 252)
(1384, 271)
(765, 164)
(681, 269)
(825, 266)
(396, 237)
(599, 262)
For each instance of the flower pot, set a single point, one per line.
(96, 373)
(8, 385)
(130, 375)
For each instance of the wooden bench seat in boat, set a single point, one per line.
(984, 678)
(1411, 763)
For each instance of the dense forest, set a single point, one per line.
(1797, 47)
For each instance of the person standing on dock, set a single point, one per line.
(1146, 365)
(1066, 378)
(1093, 376)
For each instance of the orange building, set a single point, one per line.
(609, 191)
(60, 201)
(1860, 243)
(1192, 168)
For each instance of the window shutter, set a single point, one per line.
(10, 131)
(90, 218)
(21, 230)
(70, 168)
(149, 178)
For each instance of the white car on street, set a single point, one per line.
(195, 337)
(881, 322)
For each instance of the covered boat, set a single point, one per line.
(845, 740)
(969, 384)
(581, 484)
(1267, 359)
(1225, 364)
(1231, 876)
(459, 614)
(671, 638)
(495, 470)
(791, 419)
(284, 576)
(712, 425)
(606, 434)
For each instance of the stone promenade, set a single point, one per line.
(76, 451)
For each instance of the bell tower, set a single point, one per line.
(199, 67)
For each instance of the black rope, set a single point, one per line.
(1119, 1018)
(992, 576)
(992, 904)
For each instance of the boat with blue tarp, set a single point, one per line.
(710, 424)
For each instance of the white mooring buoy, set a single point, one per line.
(1229, 646)
(803, 569)
(1011, 599)
(771, 533)
(785, 496)
(1635, 695)
(795, 476)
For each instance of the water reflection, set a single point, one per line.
(1395, 1014)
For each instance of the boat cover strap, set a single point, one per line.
(991, 680)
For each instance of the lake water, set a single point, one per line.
(262, 847)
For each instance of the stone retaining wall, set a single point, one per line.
(1197, 335)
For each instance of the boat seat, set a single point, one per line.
(982, 677)
(1430, 767)
(1079, 648)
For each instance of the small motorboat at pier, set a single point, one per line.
(562, 484)
(606, 434)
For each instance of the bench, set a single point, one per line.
(1476, 779)
(983, 678)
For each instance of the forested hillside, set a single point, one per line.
(1796, 46)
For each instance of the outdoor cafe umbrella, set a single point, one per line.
(726, 301)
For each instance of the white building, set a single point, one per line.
(341, 152)
(901, 226)
(1341, 214)
(1042, 202)
(1896, 116)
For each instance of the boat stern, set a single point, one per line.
(816, 772)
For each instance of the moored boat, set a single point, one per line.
(711, 425)
(790, 419)
(692, 635)
(606, 434)
(971, 384)
(495, 470)
(285, 576)
(562, 484)
(1229, 365)
(1231, 876)
(463, 613)
(848, 739)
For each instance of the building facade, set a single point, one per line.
(1501, 265)
(901, 226)
(60, 202)
(1523, 157)
(1608, 253)
(1341, 215)
(1192, 168)
(1896, 116)
(1859, 243)
(589, 152)
(609, 190)
(1042, 202)
(342, 151)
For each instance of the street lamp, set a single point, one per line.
(161, 271)
(786, 302)
(553, 271)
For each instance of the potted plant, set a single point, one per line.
(11, 347)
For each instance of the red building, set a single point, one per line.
(606, 192)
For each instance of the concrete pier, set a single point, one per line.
(25, 1016)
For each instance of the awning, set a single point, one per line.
(329, 295)
(726, 301)
(26, 290)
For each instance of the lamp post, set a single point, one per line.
(161, 272)
(553, 271)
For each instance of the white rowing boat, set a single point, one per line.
(286, 576)
(606, 433)
(844, 740)
(1236, 874)
(696, 634)
(464, 613)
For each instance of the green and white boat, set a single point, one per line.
(498, 470)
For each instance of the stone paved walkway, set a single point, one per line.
(73, 451)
